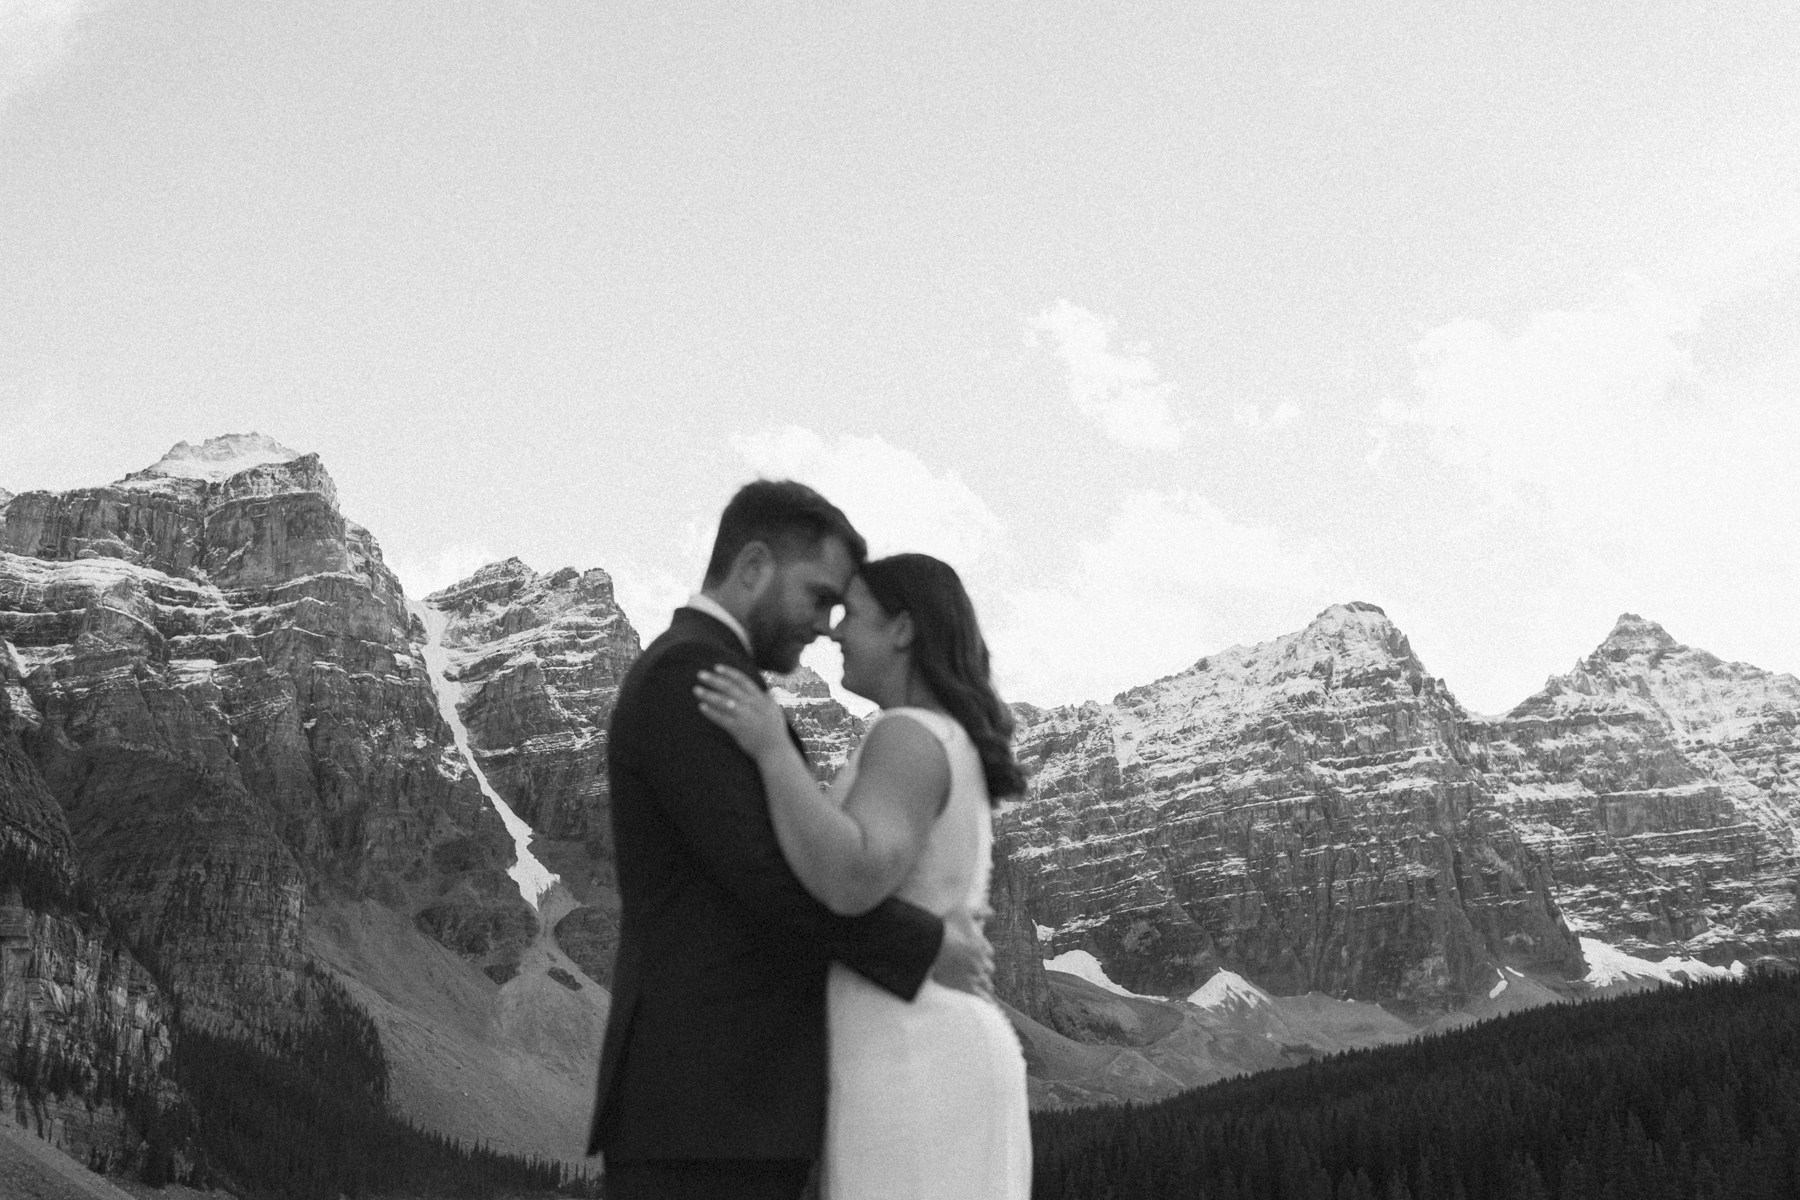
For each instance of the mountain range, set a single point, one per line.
(223, 720)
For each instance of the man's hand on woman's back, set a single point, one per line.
(965, 961)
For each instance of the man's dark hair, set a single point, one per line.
(790, 518)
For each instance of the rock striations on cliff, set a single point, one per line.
(540, 659)
(1662, 785)
(1305, 812)
(75, 1004)
(223, 692)
(30, 818)
(537, 661)
(829, 730)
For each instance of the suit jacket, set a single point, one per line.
(715, 1046)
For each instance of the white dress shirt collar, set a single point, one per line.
(701, 602)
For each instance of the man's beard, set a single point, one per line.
(775, 644)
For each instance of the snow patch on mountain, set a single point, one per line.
(217, 459)
(1230, 991)
(1608, 965)
(532, 876)
(1084, 965)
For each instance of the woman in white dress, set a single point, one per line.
(927, 1099)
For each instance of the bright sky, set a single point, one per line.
(1168, 324)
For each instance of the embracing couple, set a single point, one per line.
(802, 998)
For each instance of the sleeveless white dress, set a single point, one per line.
(927, 1099)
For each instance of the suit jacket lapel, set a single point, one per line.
(692, 622)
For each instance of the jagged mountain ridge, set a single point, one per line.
(1303, 812)
(540, 659)
(218, 683)
(214, 629)
(216, 679)
(1664, 786)
(216, 459)
(1647, 798)
(223, 689)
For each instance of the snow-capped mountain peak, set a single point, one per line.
(1642, 672)
(217, 459)
(1358, 634)
(1345, 645)
(1229, 990)
(1633, 635)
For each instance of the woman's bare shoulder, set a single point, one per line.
(903, 738)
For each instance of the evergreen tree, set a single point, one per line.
(1660, 1096)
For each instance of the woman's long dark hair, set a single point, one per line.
(951, 657)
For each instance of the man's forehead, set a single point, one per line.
(831, 565)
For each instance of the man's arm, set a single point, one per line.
(712, 792)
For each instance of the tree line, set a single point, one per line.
(1689, 1093)
(283, 1112)
(284, 1115)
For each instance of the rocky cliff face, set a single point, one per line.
(29, 814)
(1019, 977)
(1662, 786)
(537, 661)
(75, 1005)
(540, 659)
(222, 689)
(1305, 812)
(828, 729)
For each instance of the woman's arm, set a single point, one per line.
(851, 858)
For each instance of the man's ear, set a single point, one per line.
(753, 568)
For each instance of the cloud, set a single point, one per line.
(892, 497)
(1555, 405)
(1172, 578)
(1121, 392)
(34, 36)
(1597, 466)
(1251, 417)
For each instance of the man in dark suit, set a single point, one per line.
(712, 1075)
